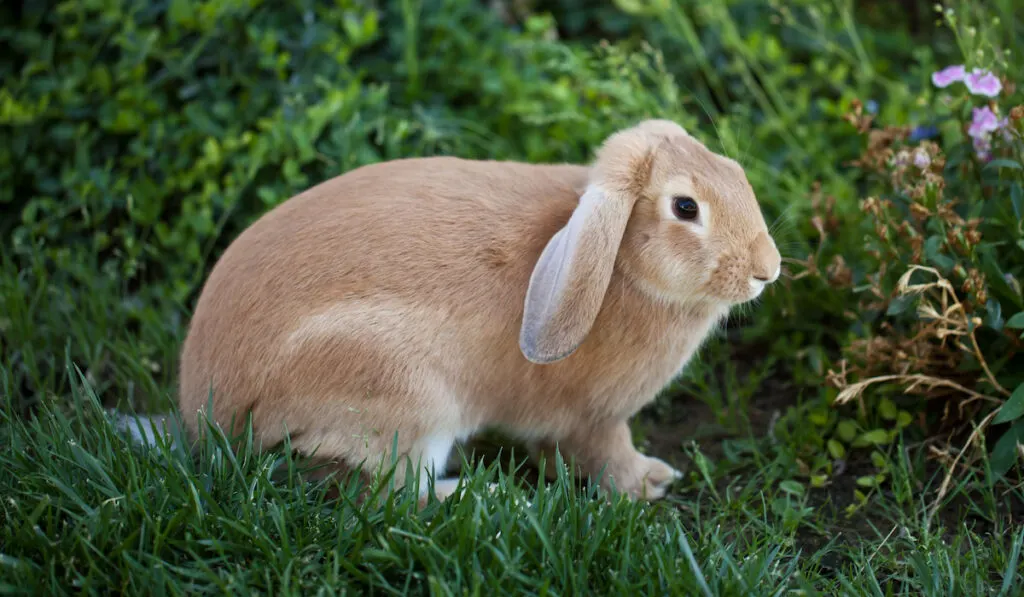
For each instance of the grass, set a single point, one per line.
(86, 511)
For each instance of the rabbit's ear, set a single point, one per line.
(571, 277)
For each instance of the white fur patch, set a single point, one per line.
(143, 429)
(434, 452)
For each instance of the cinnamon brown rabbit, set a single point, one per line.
(432, 298)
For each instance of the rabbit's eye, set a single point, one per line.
(684, 208)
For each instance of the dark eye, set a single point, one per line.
(684, 208)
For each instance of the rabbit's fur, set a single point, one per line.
(436, 297)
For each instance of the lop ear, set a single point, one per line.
(571, 277)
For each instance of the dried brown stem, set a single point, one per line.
(944, 488)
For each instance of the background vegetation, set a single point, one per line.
(858, 432)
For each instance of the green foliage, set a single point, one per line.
(937, 258)
(150, 134)
(136, 140)
(146, 129)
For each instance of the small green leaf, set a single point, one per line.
(995, 276)
(903, 419)
(846, 430)
(867, 481)
(180, 12)
(887, 408)
(878, 459)
(1013, 408)
(792, 487)
(836, 449)
(1004, 453)
(943, 262)
(995, 315)
(900, 304)
(818, 480)
(877, 437)
(1003, 163)
(1016, 322)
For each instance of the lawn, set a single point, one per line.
(857, 431)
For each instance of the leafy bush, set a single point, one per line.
(136, 140)
(933, 268)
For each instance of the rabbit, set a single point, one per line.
(412, 303)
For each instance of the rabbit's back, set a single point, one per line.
(388, 273)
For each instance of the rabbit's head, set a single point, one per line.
(677, 220)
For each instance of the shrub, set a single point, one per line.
(934, 267)
(136, 140)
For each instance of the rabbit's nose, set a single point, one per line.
(766, 261)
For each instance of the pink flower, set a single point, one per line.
(983, 122)
(948, 75)
(979, 81)
(983, 147)
(983, 82)
(921, 159)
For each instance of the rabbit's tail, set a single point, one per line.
(145, 429)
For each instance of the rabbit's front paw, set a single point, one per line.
(653, 477)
